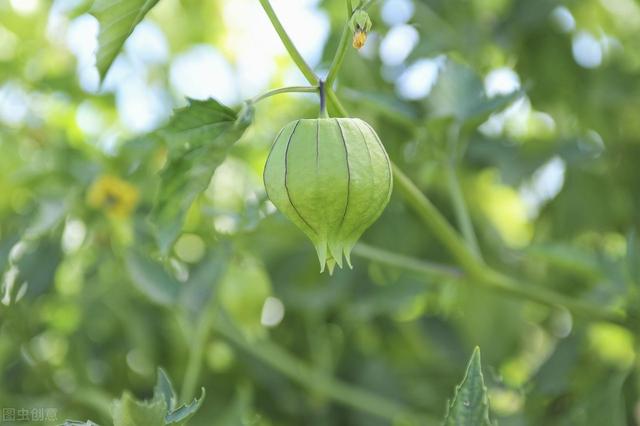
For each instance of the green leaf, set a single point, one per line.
(130, 412)
(470, 404)
(118, 19)
(198, 138)
(459, 93)
(164, 390)
(181, 415)
(152, 279)
(79, 423)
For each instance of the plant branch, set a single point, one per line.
(196, 352)
(460, 208)
(298, 371)
(341, 51)
(455, 191)
(491, 280)
(288, 44)
(428, 269)
(437, 223)
(290, 89)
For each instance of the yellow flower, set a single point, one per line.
(359, 38)
(115, 196)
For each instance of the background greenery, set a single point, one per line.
(527, 143)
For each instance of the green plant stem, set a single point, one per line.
(428, 269)
(196, 352)
(298, 371)
(290, 89)
(460, 209)
(455, 191)
(491, 280)
(288, 44)
(343, 44)
(437, 223)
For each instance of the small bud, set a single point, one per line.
(332, 178)
(360, 24)
(359, 38)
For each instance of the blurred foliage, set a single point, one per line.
(116, 240)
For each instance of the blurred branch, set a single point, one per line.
(298, 371)
(491, 280)
(288, 44)
(429, 269)
(437, 223)
(455, 191)
(460, 208)
(290, 89)
(196, 352)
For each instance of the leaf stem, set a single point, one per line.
(341, 51)
(288, 44)
(455, 191)
(300, 372)
(196, 352)
(460, 209)
(289, 89)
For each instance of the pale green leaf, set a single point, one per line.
(459, 94)
(197, 138)
(164, 390)
(152, 279)
(129, 412)
(181, 415)
(118, 19)
(470, 404)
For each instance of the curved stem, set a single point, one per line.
(341, 51)
(490, 280)
(437, 223)
(288, 44)
(290, 89)
(339, 56)
(298, 371)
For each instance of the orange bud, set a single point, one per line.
(359, 38)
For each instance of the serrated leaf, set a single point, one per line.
(198, 138)
(164, 390)
(79, 423)
(152, 279)
(459, 93)
(129, 412)
(118, 19)
(470, 404)
(181, 415)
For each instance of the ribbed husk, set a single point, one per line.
(332, 178)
